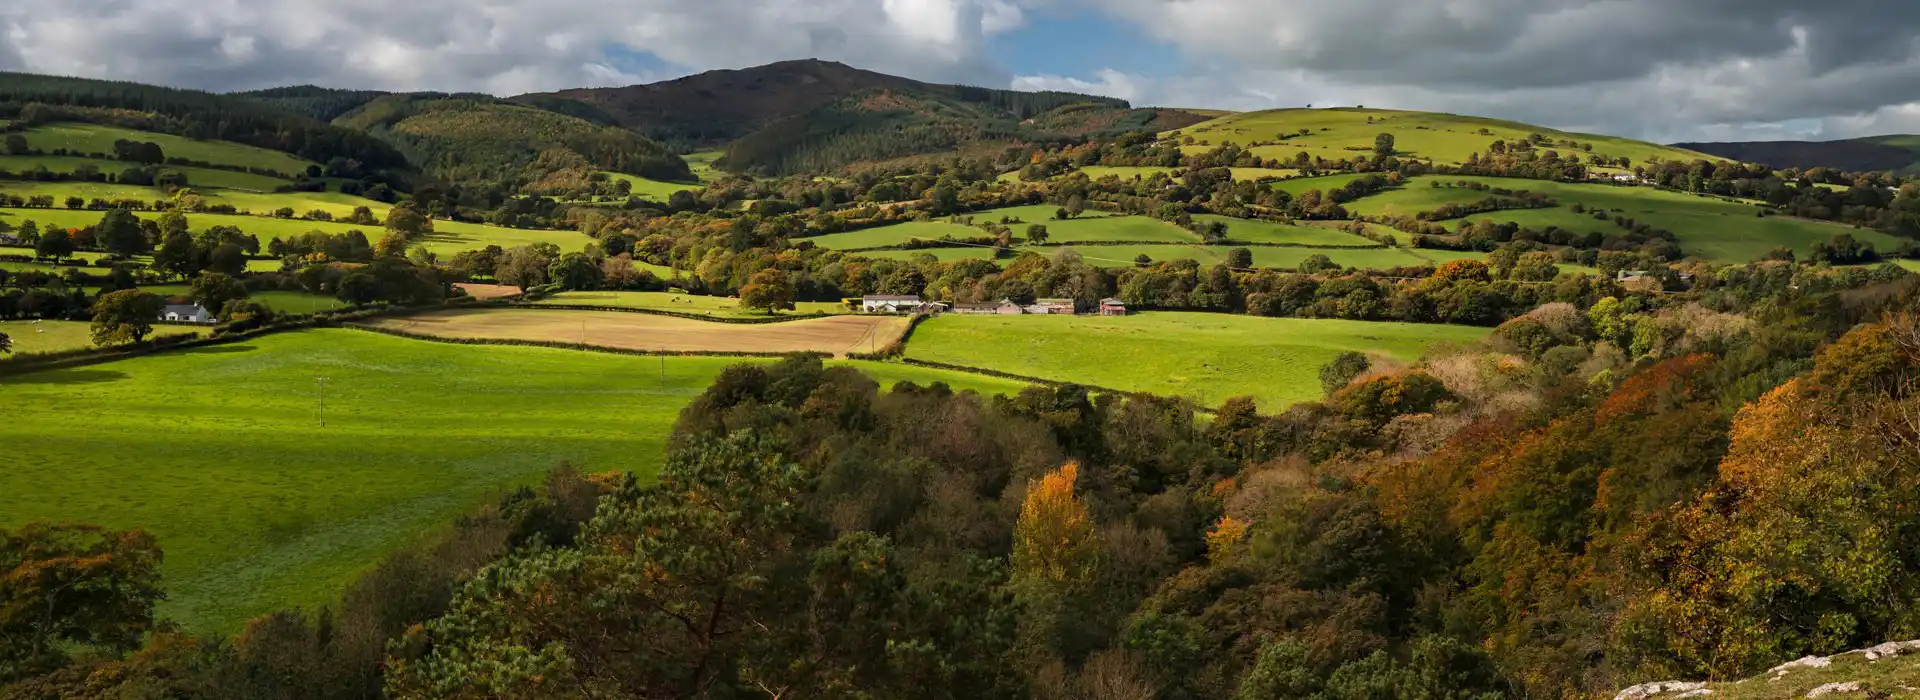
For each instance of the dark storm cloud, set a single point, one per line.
(1651, 68)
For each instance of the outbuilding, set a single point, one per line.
(891, 304)
(1113, 307)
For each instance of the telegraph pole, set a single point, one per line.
(322, 383)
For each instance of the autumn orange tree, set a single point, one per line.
(64, 587)
(1056, 557)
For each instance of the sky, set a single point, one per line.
(1661, 70)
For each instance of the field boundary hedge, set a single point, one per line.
(561, 345)
(676, 314)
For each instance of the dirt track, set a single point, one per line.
(838, 335)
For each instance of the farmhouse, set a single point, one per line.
(186, 313)
(1004, 307)
(891, 304)
(1113, 307)
(1052, 306)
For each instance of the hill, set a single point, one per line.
(36, 99)
(1898, 153)
(814, 115)
(478, 137)
(1340, 133)
(715, 107)
(323, 104)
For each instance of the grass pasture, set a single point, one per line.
(449, 237)
(1342, 133)
(48, 336)
(1711, 229)
(218, 452)
(1089, 226)
(1263, 256)
(95, 138)
(940, 254)
(1256, 231)
(896, 234)
(654, 190)
(728, 307)
(1208, 357)
(1325, 183)
(261, 204)
(196, 177)
(838, 335)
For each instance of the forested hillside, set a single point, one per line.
(319, 103)
(31, 99)
(1879, 153)
(479, 138)
(885, 124)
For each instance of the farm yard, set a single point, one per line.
(1207, 357)
(838, 335)
(219, 453)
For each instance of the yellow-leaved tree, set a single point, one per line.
(1056, 558)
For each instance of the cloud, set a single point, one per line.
(503, 46)
(1657, 69)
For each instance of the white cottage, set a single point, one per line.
(186, 313)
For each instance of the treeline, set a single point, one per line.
(1874, 200)
(32, 99)
(1590, 499)
(317, 103)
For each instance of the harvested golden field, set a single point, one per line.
(839, 335)
(488, 291)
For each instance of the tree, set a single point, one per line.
(1036, 234)
(575, 271)
(214, 289)
(29, 232)
(119, 234)
(56, 244)
(227, 258)
(177, 255)
(408, 222)
(1383, 144)
(1316, 263)
(68, 586)
(392, 245)
(1341, 371)
(17, 145)
(1075, 205)
(521, 267)
(125, 316)
(768, 290)
(1056, 557)
(1240, 258)
(6, 344)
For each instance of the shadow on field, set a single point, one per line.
(218, 350)
(65, 376)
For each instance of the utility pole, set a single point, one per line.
(663, 371)
(322, 383)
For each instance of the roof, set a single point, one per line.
(184, 309)
(890, 297)
(1110, 301)
(1053, 301)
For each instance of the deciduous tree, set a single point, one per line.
(125, 316)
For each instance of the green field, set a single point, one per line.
(244, 201)
(1325, 183)
(1418, 196)
(196, 177)
(683, 303)
(1208, 357)
(1256, 231)
(653, 189)
(219, 453)
(1090, 226)
(1442, 138)
(940, 254)
(285, 302)
(47, 336)
(1263, 256)
(1708, 228)
(449, 237)
(897, 234)
(701, 163)
(93, 138)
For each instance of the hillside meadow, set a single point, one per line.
(1712, 229)
(1207, 357)
(449, 237)
(218, 451)
(196, 177)
(96, 138)
(1343, 132)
